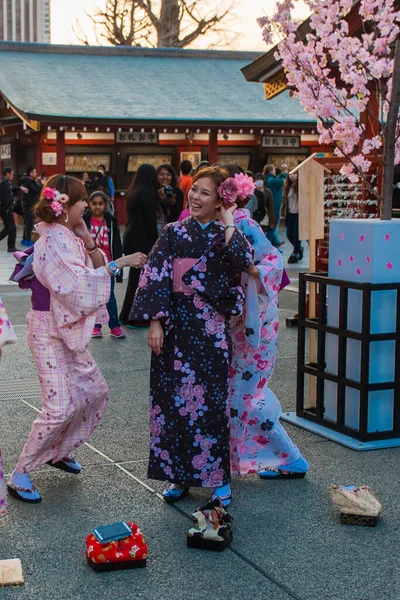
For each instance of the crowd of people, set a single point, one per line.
(204, 278)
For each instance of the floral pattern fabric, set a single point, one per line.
(128, 549)
(189, 379)
(258, 440)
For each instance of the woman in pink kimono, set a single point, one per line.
(259, 443)
(70, 288)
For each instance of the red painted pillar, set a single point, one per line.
(60, 152)
(38, 155)
(213, 146)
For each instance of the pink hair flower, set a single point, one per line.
(63, 198)
(228, 191)
(56, 207)
(246, 185)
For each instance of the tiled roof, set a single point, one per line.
(121, 84)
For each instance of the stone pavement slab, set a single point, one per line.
(288, 541)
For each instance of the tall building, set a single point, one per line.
(25, 21)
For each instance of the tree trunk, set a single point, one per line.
(168, 28)
(390, 138)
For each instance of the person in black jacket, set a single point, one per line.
(105, 232)
(34, 187)
(144, 212)
(170, 195)
(7, 193)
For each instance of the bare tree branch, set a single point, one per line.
(173, 24)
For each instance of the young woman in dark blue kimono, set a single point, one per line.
(188, 290)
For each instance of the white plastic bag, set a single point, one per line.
(7, 333)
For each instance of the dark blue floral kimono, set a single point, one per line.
(189, 378)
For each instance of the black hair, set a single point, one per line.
(145, 179)
(232, 169)
(170, 170)
(29, 170)
(101, 194)
(202, 165)
(7, 170)
(186, 167)
(101, 167)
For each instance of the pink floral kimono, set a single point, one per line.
(74, 392)
(257, 438)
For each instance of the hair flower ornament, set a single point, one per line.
(240, 186)
(245, 184)
(57, 199)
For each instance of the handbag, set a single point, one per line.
(7, 333)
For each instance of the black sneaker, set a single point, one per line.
(12, 249)
(301, 254)
(292, 259)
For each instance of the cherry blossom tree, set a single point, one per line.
(335, 75)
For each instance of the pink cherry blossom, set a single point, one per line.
(332, 72)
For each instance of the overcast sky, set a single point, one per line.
(65, 13)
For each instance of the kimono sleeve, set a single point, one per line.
(237, 255)
(268, 261)
(153, 296)
(261, 291)
(271, 269)
(76, 290)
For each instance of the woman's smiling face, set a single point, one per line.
(203, 199)
(76, 211)
(164, 177)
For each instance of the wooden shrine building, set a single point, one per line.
(70, 108)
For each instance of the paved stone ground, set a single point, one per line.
(288, 542)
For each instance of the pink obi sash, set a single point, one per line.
(180, 266)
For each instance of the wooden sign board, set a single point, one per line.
(311, 199)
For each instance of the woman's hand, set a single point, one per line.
(155, 339)
(227, 214)
(136, 260)
(81, 231)
(252, 270)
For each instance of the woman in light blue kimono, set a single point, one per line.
(259, 443)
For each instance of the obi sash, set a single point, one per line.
(180, 266)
